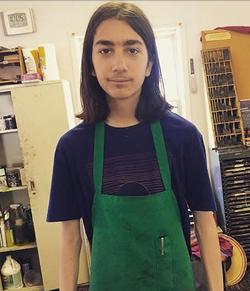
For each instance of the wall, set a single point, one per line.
(57, 20)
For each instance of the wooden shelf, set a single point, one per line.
(9, 62)
(221, 110)
(12, 50)
(10, 81)
(218, 86)
(10, 189)
(223, 122)
(18, 248)
(8, 131)
(219, 98)
(229, 134)
(218, 74)
(216, 62)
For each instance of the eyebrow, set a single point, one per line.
(125, 43)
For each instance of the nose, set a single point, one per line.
(119, 63)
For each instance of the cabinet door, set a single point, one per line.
(42, 117)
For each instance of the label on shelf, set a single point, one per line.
(218, 36)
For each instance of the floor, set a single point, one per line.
(78, 289)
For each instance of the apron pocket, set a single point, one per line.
(164, 264)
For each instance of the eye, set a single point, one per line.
(104, 51)
(133, 51)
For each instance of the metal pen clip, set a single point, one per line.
(162, 245)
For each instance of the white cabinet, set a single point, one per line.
(43, 113)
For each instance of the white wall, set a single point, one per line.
(57, 20)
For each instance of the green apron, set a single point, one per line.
(138, 242)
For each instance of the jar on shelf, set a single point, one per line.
(13, 177)
(3, 180)
(10, 121)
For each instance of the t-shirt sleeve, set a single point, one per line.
(199, 193)
(63, 200)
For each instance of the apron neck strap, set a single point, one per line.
(98, 156)
(161, 153)
(160, 148)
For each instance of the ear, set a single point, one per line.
(149, 68)
(93, 73)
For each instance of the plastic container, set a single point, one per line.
(32, 278)
(11, 274)
(20, 232)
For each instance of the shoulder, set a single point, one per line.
(76, 138)
(78, 131)
(178, 129)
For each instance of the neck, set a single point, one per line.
(122, 112)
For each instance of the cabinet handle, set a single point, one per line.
(32, 187)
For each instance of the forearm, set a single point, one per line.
(70, 248)
(207, 236)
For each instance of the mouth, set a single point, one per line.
(119, 81)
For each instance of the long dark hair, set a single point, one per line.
(152, 103)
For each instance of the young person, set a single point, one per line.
(131, 169)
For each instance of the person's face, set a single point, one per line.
(120, 59)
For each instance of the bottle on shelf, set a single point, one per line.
(8, 230)
(29, 223)
(2, 231)
(20, 232)
(11, 274)
(18, 224)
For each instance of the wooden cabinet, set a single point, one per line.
(11, 66)
(231, 180)
(223, 99)
(43, 113)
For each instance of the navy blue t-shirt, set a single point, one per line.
(130, 166)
